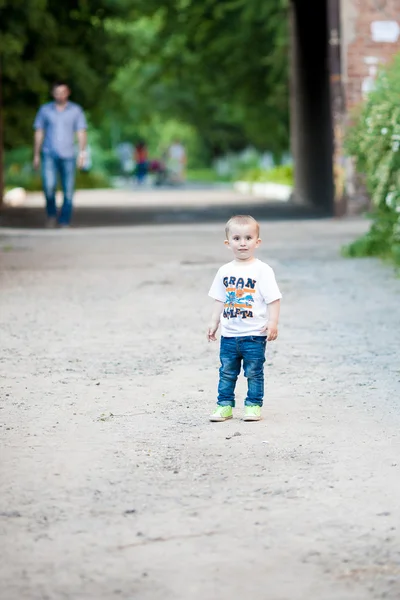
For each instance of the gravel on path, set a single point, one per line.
(113, 482)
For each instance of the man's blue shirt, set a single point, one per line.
(59, 128)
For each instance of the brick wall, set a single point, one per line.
(360, 53)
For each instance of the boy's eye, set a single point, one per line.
(249, 238)
(235, 237)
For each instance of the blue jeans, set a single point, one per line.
(141, 172)
(234, 350)
(52, 167)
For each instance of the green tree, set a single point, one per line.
(46, 40)
(219, 65)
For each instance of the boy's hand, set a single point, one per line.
(272, 328)
(212, 330)
(215, 320)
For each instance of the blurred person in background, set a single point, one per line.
(141, 158)
(176, 162)
(56, 125)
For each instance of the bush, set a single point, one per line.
(281, 174)
(206, 175)
(22, 176)
(31, 181)
(374, 142)
(91, 180)
(19, 173)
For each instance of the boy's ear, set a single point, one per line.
(258, 242)
(226, 242)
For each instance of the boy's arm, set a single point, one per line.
(273, 317)
(214, 322)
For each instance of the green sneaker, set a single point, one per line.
(221, 413)
(252, 413)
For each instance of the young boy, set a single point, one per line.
(247, 302)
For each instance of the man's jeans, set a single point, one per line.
(234, 350)
(52, 166)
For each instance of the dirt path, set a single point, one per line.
(113, 482)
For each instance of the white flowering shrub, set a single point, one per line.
(374, 142)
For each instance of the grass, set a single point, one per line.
(206, 175)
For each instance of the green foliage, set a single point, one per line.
(213, 74)
(219, 66)
(374, 142)
(91, 180)
(382, 239)
(19, 173)
(207, 175)
(280, 174)
(15, 176)
(42, 41)
(31, 181)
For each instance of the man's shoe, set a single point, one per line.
(252, 413)
(221, 413)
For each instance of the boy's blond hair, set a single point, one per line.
(241, 220)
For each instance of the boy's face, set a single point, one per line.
(243, 240)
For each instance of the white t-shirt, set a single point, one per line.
(245, 289)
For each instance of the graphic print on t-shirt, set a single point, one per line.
(239, 298)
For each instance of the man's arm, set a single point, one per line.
(37, 146)
(214, 322)
(82, 142)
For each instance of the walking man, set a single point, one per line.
(55, 126)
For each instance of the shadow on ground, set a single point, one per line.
(33, 218)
